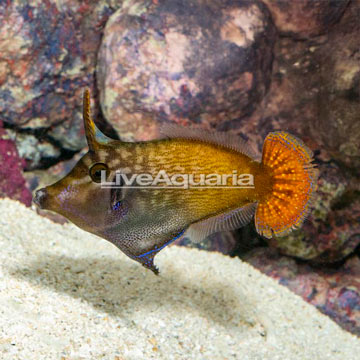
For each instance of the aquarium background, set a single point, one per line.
(247, 67)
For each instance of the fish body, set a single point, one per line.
(204, 183)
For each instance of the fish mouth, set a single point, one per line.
(40, 198)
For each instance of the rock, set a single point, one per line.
(194, 63)
(335, 290)
(12, 182)
(48, 52)
(314, 91)
(290, 103)
(32, 150)
(203, 305)
(305, 18)
(338, 99)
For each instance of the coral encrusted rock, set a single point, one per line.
(190, 62)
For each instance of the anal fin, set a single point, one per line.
(231, 220)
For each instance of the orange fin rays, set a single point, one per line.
(294, 176)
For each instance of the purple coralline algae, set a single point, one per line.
(12, 182)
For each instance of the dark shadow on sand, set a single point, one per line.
(119, 287)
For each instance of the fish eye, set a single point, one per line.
(96, 170)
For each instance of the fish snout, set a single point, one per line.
(40, 197)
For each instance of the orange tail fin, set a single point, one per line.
(294, 176)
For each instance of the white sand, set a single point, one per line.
(65, 294)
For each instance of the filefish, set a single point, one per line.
(276, 191)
